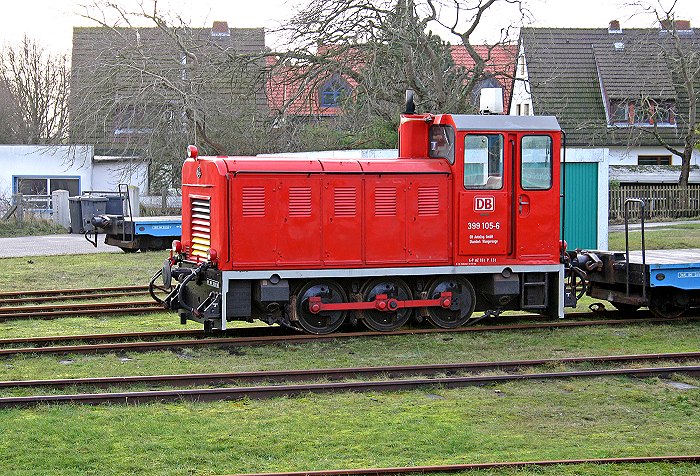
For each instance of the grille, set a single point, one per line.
(253, 202)
(299, 202)
(428, 201)
(345, 202)
(200, 211)
(385, 202)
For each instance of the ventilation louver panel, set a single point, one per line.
(201, 226)
(345, 202)
(385, 202)
(299, 202)
(428, 201)
(253, 202)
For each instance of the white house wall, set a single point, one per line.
(44, 161)
(521, 90)
(629, 155)
(108, 173)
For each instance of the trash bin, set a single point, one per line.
(115, 205)
(82, 209)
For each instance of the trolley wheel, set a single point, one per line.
(385, 321)
(323, 322)
(463, 301)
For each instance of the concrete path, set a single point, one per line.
(21, 246)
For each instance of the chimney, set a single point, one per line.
(614, 27)
(668, 24)
(683, 25)
(220, 28)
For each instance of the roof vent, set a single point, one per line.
(619, 46)
(614, 27)
(220, 28)
(491, 101)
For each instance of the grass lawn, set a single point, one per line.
(518, 421)
(515, 421)
(662, 238)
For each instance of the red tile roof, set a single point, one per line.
(284, 83)
(500, 62)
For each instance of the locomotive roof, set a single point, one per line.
(501, 122)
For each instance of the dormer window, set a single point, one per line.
(334, 91)
(619, 112)
(646, 112)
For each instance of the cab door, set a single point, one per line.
(485, 212)
(536, 201)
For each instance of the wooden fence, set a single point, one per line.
(660, 202)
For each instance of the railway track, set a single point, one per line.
(52, 295)
(454, 468)
(256, 336)
(396, 378)
(15, 305)
(343, 373)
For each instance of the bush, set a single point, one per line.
(31, 225)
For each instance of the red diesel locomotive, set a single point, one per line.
(466, 218)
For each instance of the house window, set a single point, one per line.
(129, 120)
(526, 109)
(334, 91)
(619, 111)
(642, 112)
(37, 190)
(518, 110)
(653, 160)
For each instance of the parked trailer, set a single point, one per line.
(665, 281)
(137, 233)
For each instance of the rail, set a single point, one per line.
(457, 468)
(263, 336)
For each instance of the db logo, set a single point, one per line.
(484, 204)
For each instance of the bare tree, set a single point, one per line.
(381, 48)
(34, 87)
(146, 84)
(681, 52)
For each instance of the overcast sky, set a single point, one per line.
(51, 21)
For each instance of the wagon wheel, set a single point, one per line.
(665, 310)
(323, 322)
(385, 321)
(463, 300)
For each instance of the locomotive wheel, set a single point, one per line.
(463, 301)
(385, 321)
(323, 322)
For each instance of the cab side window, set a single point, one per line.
(442, 142)
(536, 166)
(483, 162)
